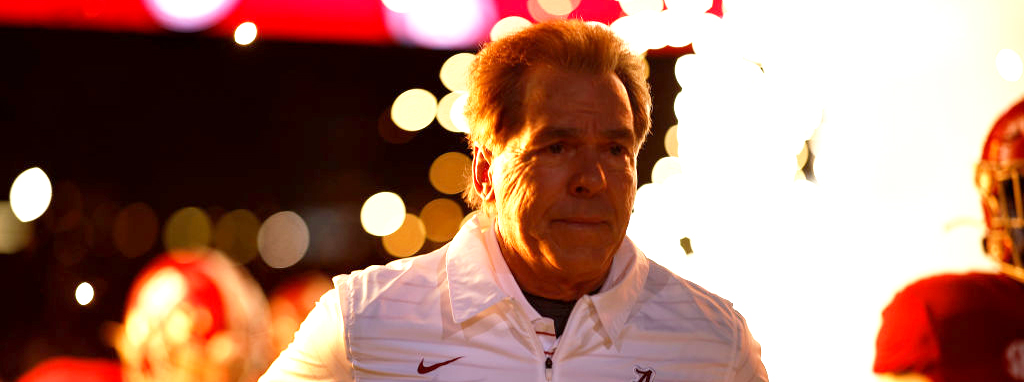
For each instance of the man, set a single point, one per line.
(543, 285)
(969, 327)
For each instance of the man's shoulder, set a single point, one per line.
(398, 276)
(668, 297)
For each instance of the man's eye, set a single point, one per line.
(556, 148)
(618, 149)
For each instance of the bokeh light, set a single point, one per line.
(382, 214)
(235, 234)
(671, 141)
(449, 173)
(189, 15)
(559, 7)
(538, 13)
(245, 33)
(1009, 65)
(444, 110)
(188, 228)
(15, 235)
(402, 6)
(283, 239)
(442, 24)
(442, 218)
(458, 113)
(689, 6)
(84, 293)
(636, 7)
(135, 229)
(30, 194)
(507, 26)
(414, 109)
(408, 239)
(665, 168)
(455, 71)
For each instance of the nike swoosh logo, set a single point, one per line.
(426, 369)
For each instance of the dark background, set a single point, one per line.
(176, 120)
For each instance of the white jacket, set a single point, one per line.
(457, 314)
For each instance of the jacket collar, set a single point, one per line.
(478, 278)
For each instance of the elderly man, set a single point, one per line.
(543, 285)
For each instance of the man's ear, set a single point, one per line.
(482, 182)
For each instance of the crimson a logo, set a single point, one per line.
(643, 374)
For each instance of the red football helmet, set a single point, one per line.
(195, 316)
(998, 178)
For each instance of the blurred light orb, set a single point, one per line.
(189, 227)
(449, 173)
(636, 7)
(455, 71)
(15, 235)
(407, 239)
(441, 217)
(507, 26)
(283, 239)
(1009, 65)
(559, 7)
(689, 6)
(671, 141)
(84, 294)
(382, 214)
(188, 15)
(458, 114)
(30, 194)
(135, 229)
(235, 234)
(414, 109)
(402, 6)
(665, 168)
(442, 24)
(245, 33)
(444, 110)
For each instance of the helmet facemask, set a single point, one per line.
(1001, 187)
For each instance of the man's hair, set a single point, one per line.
(498, 78)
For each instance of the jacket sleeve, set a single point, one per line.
(318, 352)
(747, 362)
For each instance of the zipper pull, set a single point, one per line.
(547, 368)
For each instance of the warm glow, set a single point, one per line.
(559, 7)
(458, 113)
(30, 194)
(640, 31)
(507, 26)
(408, 239)
(84, 294)
(455, 71)
(1009, 65)
(449, 173)
(636, 7)
(189, 227)
(414, 109)
(15, 235)
(689, 6)
(402, 6)
(444, 110)
(245, 33)
(442, 24)
(441, 217)
(283, 239)
(382, 213)
(235, 234)
(665, 168)
(671, 141)
(135, 229)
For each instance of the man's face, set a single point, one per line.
(564, 185)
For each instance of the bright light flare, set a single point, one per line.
(458, 114)
(444, 111)
(84, 294)
(441, 24)
(507, 26)
(665, 168)
(283, 239)
(1009, 65)
(188, 15)
(414, 109)
(449, 173)
(402, 6)
(382, 214)
(636, 7)
(689, 6)
(245, 33)
(455, 71)
(30, 194)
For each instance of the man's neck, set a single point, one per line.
(540, 278)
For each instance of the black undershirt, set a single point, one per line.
(556, 310)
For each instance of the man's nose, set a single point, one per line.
(589, 178)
